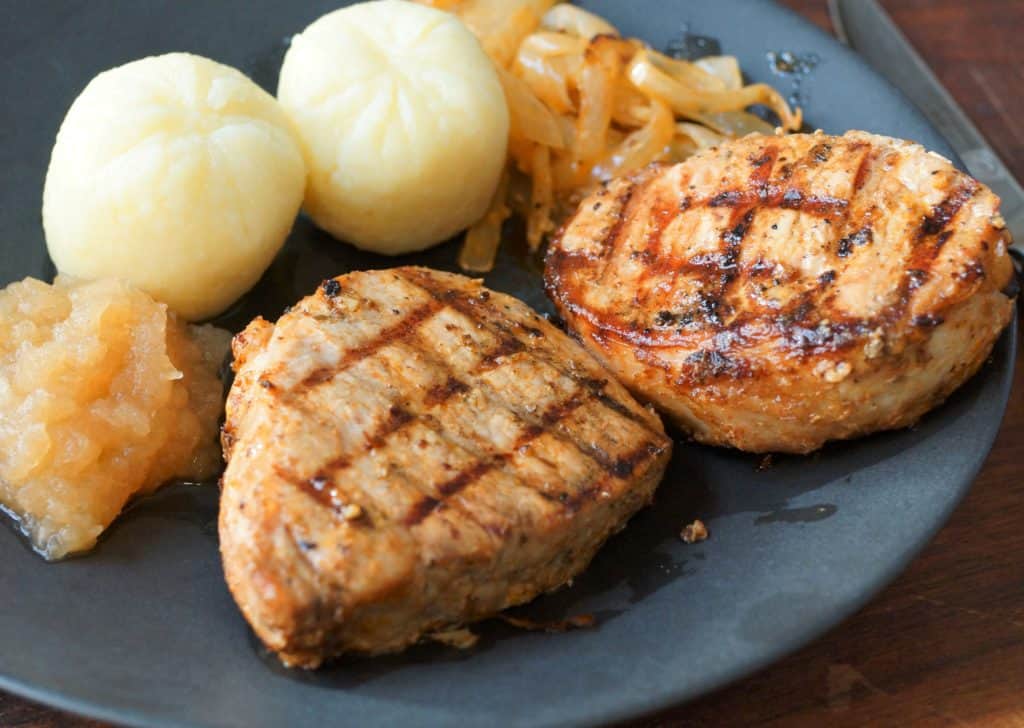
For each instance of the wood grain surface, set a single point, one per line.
(944, 644)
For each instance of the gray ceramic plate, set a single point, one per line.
(144, 631)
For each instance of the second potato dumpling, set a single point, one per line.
(402, 121)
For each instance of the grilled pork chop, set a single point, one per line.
(777, 292)
(408, 451)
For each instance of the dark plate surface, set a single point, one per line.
(144, 631)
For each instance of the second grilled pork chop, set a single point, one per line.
(408, 451)
(778, 292)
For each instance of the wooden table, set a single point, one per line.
(944, 645)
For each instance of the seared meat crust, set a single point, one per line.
(408, 451)
(778, 292)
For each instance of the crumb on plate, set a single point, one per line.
(694, 532)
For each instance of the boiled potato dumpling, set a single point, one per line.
(177, 174)
(402, 120)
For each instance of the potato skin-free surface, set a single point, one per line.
(778, 292)
(402, 120)
(178, 174)
(408, 451)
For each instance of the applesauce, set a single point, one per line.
(103, 395)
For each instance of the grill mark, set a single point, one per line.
(626, 466)
(466, 477)
(923, 255)
(944, 213)
(461, 305)
(824, 206)
(935, 223)
(398, 418)
(759, 193)
(565, 262)
(597, 388)
(558, 412)
(615, 466)
(764, 165)
(317, 377)
(318, 487)
(423, 508)
(789, 198)
(708, 264)
(656, 264)
(731, 254)
(848, 232)
(469, 475)
(862, 175)
(807, 339)
(391, 334)
(587, 383)
(729, 198)
(610, 239)
(471, 310)
(620, 468)
(864, 169)
(759, 176)
(321, 485)
(663, 216)
(748, 328)
(802, 340)
(771, 196)
(852, 230)
(743, 204)
(441, 393)
(532, 431)
(734, 237)
(507, 346)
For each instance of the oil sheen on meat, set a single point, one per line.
(781, 291)
(409, 451)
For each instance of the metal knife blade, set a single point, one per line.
(866, 28)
